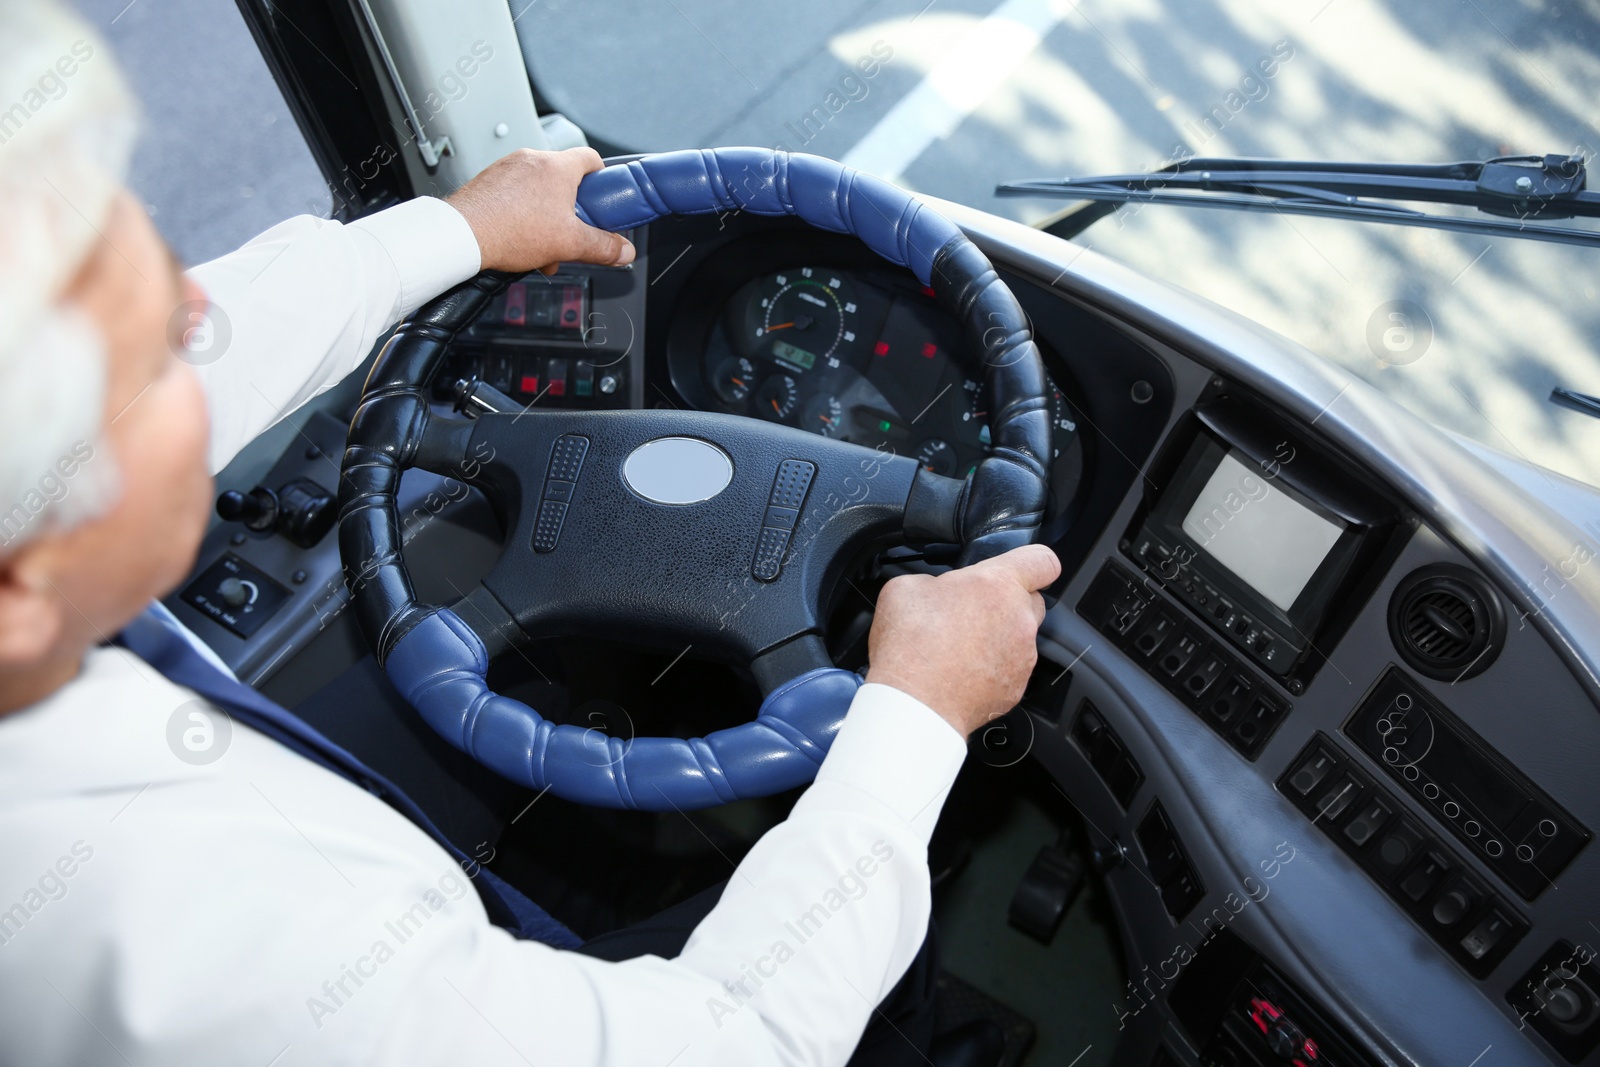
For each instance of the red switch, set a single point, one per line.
(530, 383)
(516, 304)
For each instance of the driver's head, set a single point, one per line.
(103, 481)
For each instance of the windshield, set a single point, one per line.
(1471, 332)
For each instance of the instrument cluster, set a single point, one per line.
(871, 359)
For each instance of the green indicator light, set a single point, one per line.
(885, 426)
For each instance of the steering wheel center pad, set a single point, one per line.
(438, 657)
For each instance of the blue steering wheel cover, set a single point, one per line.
(440, 665)
(441, 668)
(824, 193)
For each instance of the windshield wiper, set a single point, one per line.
(1527, 189)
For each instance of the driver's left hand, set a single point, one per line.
(521, 209)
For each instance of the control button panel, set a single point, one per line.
(1170, 869)
(550, 381)
(1254, 637)
(1490, 806)
(236, 595)
(560, 341)
(1233, 700)
(1107, 754)
(1426, 879)
(1239, 1012)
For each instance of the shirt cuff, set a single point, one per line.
(429, 245)
(897, 750)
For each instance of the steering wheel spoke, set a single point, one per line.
(444, 448)
(794, 658)
(934, 509)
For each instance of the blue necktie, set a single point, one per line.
(162, 646)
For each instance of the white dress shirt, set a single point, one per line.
(259, 910)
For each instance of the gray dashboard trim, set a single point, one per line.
(1516, 536)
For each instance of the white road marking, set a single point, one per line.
(956, 86)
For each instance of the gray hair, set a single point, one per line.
(67, 126)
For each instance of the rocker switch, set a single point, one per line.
(789, 489)
(560, 481)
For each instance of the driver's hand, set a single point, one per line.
(520, 209)
(963, 642)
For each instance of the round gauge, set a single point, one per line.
(800, 317)
(1062, 424)
(777, 397)
(823, 414)
(972, 411)
(733, 379)
(1066, 477)
(973, 414)
(937, 457)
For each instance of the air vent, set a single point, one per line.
(1446, 622)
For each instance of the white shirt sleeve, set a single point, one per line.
(816, 925)
(259, 909)
(299, 307)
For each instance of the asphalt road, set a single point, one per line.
(964, 93)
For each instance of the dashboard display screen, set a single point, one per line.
(1270, 542)
(798, 358)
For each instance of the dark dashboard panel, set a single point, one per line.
(1490, 806)
(572, 339)
(855, 350)
(771, 319)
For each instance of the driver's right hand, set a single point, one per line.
(962, 642)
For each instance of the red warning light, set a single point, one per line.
(929, 350)
(881, 348)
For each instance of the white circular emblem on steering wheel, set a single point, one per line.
(677, 470)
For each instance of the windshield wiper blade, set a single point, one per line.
(1589, 405)
(1526, 189)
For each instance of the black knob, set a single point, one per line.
(1286, 1039)
(1107, 857)
(258, 509)
(1564, 1005)
(1452, 907)
(234, 592)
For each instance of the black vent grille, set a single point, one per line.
(1446, 622)
(1440, 624)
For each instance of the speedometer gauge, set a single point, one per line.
(801, 318)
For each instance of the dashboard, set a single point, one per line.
(1278, 644)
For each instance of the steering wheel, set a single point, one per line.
(666, 528)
